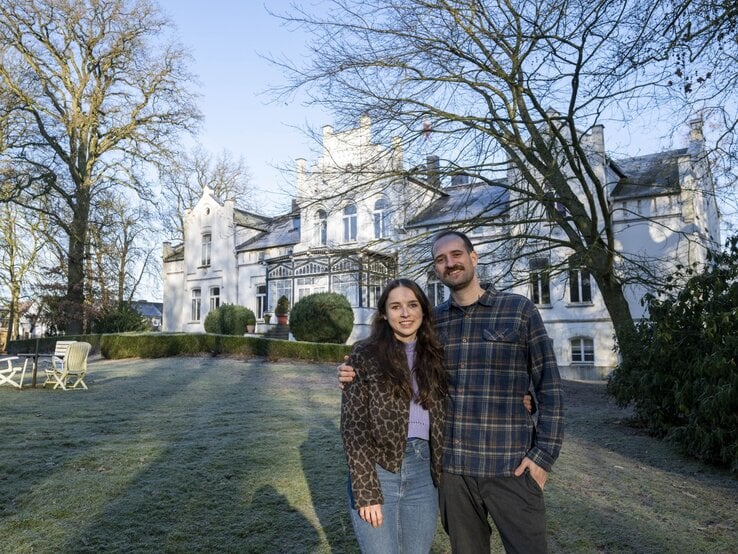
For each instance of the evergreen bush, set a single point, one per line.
(322, 317)
(229, 319)
(119, 318)
(679, 370)
(283, 306)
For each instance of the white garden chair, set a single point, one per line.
(10, 375)
(74, 366)
(60, 350)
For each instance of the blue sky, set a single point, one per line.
(226, 38)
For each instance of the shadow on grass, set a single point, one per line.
(325, 469)
(210, 483)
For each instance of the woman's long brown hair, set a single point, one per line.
(429, 368)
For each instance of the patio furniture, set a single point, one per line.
(74, 366)
(60, 350)
(13, 374)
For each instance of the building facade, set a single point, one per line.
(358, 219)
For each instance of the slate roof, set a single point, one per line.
(251, 220)
(148, 309)
(177, 254)
(651, 175)
(280, 231)
(463, 202)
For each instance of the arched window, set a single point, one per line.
(214, 298)
(321, 227)
(582, 350)
(381, 218)
(349, 223)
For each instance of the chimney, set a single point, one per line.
(397, 153)
(301, 178)
(696, 138)
(597, 136)
(433, 169)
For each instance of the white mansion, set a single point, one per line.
(351, 239)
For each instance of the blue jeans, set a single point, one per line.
(410, 509)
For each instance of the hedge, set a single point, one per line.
(161, 345)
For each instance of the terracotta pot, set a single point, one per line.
(282, 319)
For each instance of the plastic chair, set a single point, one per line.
(9, 375)
(74, 366)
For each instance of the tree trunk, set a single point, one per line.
(617, 306)
(76, 263)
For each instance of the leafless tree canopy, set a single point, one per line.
(513, 87)
(184, 177)
(92, 92)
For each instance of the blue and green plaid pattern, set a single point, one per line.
(495, 349)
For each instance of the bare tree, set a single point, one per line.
(510, 91)
(121, 252)
(21, 236)
(97, 92)
(184, 178)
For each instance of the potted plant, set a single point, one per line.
(267, 318)
(282, 309)
(250, 322)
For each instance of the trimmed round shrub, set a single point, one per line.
(229, 319)
(322, 317)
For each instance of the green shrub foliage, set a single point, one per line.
(119, 318)
(322, 317)
(229, 319)
(679, 370)
(283, 306)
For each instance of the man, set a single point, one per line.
(496, 461)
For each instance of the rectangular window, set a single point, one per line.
(582, 350)
(196, 304)
(261, 293)
(206, 245)
(347, 285)
(436, 290)
(540, 285)
(214, 298)
(580, 288)
(349, 223)
(277, 288)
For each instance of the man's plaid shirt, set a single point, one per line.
(495, 349)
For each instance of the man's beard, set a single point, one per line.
(465, 277)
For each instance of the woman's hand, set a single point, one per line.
(372, 514)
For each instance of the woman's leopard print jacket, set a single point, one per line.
(374, 426)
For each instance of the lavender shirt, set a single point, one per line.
(419, 424)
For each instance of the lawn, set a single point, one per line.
(226, 455)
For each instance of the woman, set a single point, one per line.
(392, 425)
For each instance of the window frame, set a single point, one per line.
(584, 349)
(214, 299)
(206, 250)
(580, 285)
(350, 223)
(196, 305)
(381, 218)
(540, 281)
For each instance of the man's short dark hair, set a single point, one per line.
(451, 232)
